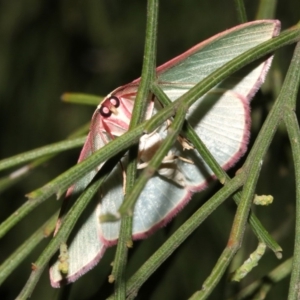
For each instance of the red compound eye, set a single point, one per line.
(114, 101)
(105, 111)
(109, 106)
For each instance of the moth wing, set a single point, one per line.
(85, 249)
(204, 58)
(221, 118)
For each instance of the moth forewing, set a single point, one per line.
(221, 118)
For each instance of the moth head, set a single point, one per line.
(109, 106)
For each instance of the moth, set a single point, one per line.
(221, 118)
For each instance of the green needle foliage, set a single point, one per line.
(83, 50)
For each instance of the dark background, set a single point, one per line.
(50, 47)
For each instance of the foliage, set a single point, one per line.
(50, 47)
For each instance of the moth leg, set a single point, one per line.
(184, 142)
(170, 169)
(171, 157)
(172, 172)
(149, 144)
(186, 145)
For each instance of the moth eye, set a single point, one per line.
(105, 111)
(114, 101)
(108, 106)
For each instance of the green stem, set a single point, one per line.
(140, 107)
(81, 98)
(289, 94)
(39, 152)
(152, 264)
(252, 168)
(190, 133)
(266, 10)
(61, 236)
(154, 163)
(241, 11)
(235, 238)
(12, 262)
(263, 285)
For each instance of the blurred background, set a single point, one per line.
(50, 47)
